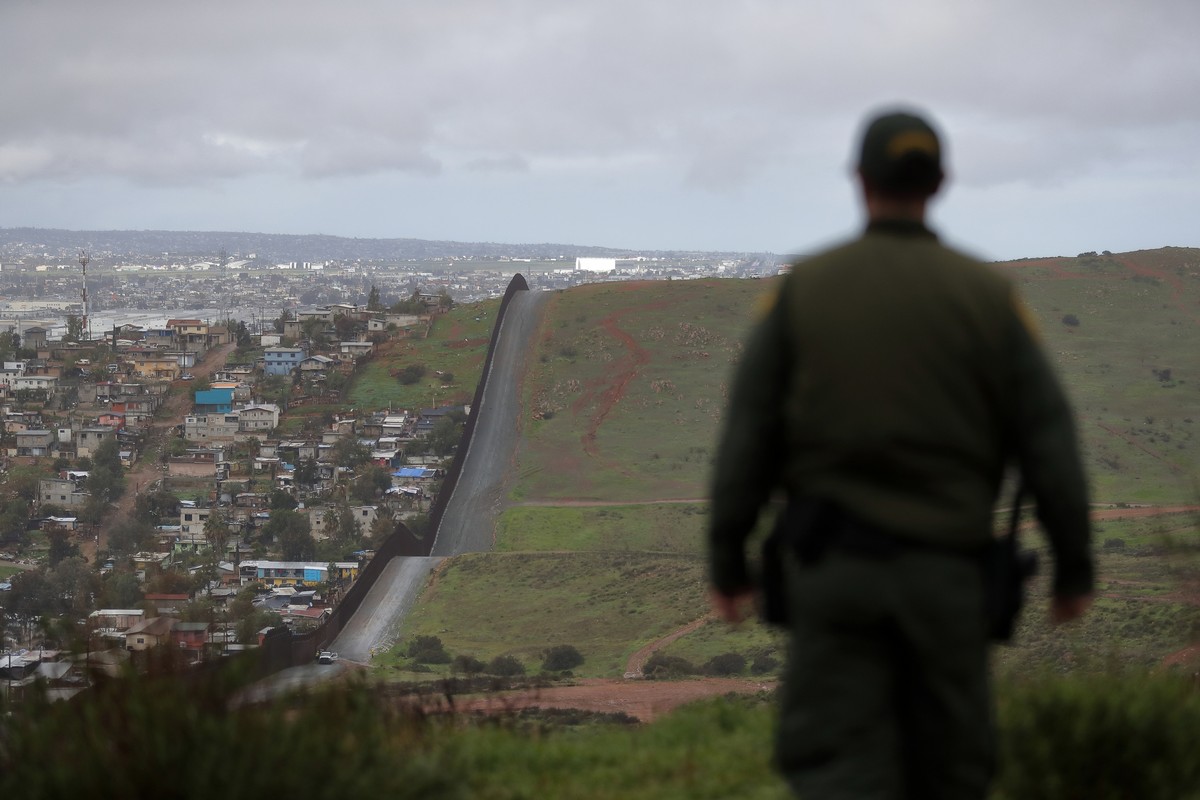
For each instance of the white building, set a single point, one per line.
(595, 264)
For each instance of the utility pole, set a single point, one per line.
(222, 308)
(87, 326)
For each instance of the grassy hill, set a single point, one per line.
(623, 404)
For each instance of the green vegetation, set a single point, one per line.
(656, 527)
(1117, 735)
(665, 350)
(604, 604)
(457, 344)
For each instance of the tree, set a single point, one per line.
(374, 481)
(75, 329)
(561, 657)
(411, 374)
(277, 323)
(349, 452)
(61, 546)
(291, 531)
(131, 536)
(306, 472)
(346, 327)
(445, 436)
(343, 528)
(242, 336)
(282, 500)
(106, 479)
(12, 523)
(216, 530)
(427, 650)
(121, 590)
(505, 666)
(373, 303)
(381, 527)
(74, 584)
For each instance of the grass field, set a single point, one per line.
(457, 344)
(625, 397)
(604, 604)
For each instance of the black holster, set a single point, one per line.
(1006, 569)
(806, 527)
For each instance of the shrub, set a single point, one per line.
(428, 650)
(764, 663)
(1070, 320)
(725, 664)
(659, 667)
(411, 374)
(467, 664)
(505, 666)
(561, 657)
(1099, 737)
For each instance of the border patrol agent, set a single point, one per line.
(886, 392)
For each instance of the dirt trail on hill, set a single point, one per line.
(608, 390)
(147, 470)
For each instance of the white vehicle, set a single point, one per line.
(326, 657)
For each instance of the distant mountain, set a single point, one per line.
(286, 247)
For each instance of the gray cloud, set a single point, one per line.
(720, 95)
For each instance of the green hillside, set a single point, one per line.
(623, 404)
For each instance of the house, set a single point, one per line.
(291, 573)
(189, 334)
(115, 619)
(190, 637)
(155, 365)
(198, 462)
(356, 348)
(112, 419)
(35, 338)
(64, 492)
(33, 443)
(317, 364)
(262, 417)
(184, 358)
(149, 633)
(211, 427)
(87, 440)
(192, 519)
(322, 517)
(282, 360)
(34, 383)
(218, 400)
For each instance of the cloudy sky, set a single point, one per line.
(655, 124)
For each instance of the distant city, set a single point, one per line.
(144, 277)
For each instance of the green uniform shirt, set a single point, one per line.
(898, 378)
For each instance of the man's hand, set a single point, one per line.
(1065, 609)
(731, 607)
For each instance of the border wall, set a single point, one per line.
(281, 650)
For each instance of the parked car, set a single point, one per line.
(326, 657)
(187, 376)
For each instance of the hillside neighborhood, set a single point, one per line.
(156, 493)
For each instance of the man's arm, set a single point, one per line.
(750, 454)
(1048, 453)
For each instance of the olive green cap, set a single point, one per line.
(901, 152)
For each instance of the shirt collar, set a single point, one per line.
(900, 227)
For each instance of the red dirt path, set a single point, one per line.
(605, 392)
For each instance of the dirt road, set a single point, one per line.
(148, 468)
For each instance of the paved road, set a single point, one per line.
(469, 522)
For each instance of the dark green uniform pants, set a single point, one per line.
(886, 694)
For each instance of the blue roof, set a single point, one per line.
(413, 472)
